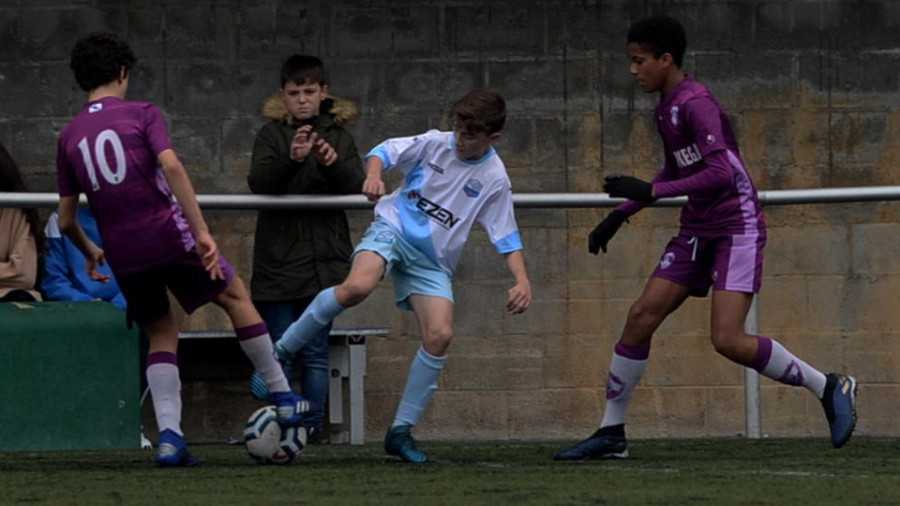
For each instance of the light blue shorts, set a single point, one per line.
(413, 272)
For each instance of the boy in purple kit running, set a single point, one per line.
(720, 245)
(118, 153)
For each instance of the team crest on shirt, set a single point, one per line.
(710, 139)
(673, 115)
(385, 236)
(95, 108)
(473, 188)
(667, 260)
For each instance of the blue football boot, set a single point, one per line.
(173, 452)
(291, 408)
(399, 441)
(839, 402)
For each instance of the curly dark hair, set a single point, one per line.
(11, 181)
(99, 58)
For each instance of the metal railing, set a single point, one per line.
(523, 200)
(531, 200)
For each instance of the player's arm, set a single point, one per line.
(701, 116)
(181, 186)
(68, 224)
(373, 186)
(519, 299)
(717, 174)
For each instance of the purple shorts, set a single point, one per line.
(732, 262)
(185, 277)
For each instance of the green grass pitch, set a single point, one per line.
(715, 471)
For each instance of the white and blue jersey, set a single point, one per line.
(443, 195)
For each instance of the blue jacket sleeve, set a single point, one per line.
(56, 282)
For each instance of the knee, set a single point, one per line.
(437, 340)
(352, 292)
(232, 295)
(644, 314)
(726, 344)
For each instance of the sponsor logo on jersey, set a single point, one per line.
(710, 139)
(473, 188)
(673, 116)
(687, 156)
(444, 217)
(95, 108)
(435, 167)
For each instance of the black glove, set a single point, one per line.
(628, 187)
(603, 232)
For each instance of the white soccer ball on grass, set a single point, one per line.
(267, 443)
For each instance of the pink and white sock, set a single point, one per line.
(625, 371)
(774, 361)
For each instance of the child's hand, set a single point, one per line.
(324, 153)
(301, 144)
(373, 188)
(519, 299)
(209, 255)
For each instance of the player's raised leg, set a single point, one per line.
(366, 271)
(837, 392)
(435, 318)
(253, 337)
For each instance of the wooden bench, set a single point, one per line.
(347, 365)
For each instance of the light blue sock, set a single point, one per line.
(318, 314)
(420, 387)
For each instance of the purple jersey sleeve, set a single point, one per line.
(702, 117)
(155, 127)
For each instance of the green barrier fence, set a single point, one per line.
(69, 377)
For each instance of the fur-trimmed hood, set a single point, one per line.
(342, 111)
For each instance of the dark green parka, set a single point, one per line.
(297, 253)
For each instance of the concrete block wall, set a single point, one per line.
(812, 90)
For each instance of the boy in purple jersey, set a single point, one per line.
(118, 153)
(720, 245)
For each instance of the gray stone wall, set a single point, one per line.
(812, 89)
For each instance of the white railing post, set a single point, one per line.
(751, 380)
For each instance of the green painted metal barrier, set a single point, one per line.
(69, 377)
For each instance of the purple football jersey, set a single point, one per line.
(109, 152)
(702, 161)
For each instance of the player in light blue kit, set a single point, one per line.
(117, 152)
(720, 245)
(451, 181)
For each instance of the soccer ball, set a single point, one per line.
(267, 443)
